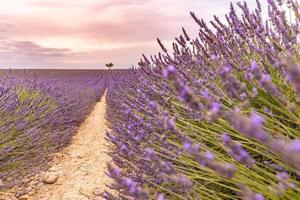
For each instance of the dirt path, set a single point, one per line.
(81, 166)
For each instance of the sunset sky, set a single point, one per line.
(90, 33)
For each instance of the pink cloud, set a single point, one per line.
(28, 50)
(44, 33)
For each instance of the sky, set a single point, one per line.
(89, 33)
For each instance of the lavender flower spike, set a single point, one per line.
(251, 127)
(236, 150)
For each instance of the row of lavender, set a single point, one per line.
(40, 111)
(219, 118)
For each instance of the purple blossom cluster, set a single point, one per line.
(168, 116)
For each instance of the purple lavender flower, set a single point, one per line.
(152, 105)
(236, 150)
(171, 124)
(268, 111)
(185, 93)
(215, 107)
(294, 146)
(292, 154)
(127, 112)
(182, 181)
(134, 190)
(206, 94)
(292, 72)
(160, 197)
(289, 152)
(185, 34)
(169, 71)
(252, 127)
(208, 160)
(162, 46)
(283, 184)
(266, 83)
(257, 119)
(192, 148)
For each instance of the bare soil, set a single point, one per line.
(81, 166)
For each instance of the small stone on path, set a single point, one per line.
(50, 177)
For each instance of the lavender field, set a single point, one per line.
(40, 112)
(216, 117)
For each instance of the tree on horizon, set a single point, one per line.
(109, 65)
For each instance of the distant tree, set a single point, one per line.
(109, 65)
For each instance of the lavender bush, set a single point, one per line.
(218, 118)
